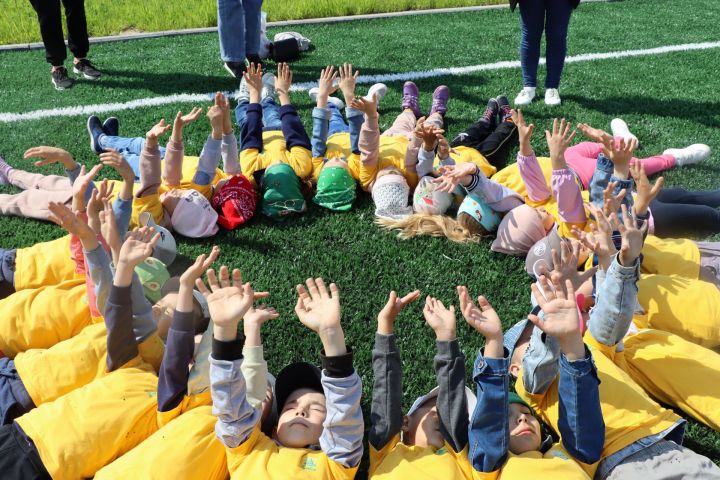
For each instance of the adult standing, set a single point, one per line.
(50, 19)
(239, 32)
(552, 16)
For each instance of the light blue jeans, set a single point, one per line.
(129, 148)
(238, 28)
(270, 110)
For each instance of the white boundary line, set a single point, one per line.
(9, 117)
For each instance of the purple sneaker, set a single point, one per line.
(504, 108)
(440, 98)
(410, 98)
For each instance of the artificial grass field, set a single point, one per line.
(668, 100)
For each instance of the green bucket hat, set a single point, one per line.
(281, 192)
(153, 275)
(335, 189)
(515, 398)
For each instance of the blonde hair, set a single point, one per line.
(462, 230)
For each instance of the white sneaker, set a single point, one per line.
(243, 93)
(525, 97)
(687, 156)
(379, 89)
(619, 128)
(552, 97)
(268, 89)
(339, 104)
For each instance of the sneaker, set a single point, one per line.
(268, 89)
(619, 128)
(687, 156)
(440, 98)
(411, 96)
(336, 102)
(111, 126)
(490, 114)
(552, 97)
(503, 108)
(243, 94)
(236, 69)
(94, 128)
(379, 89)
(60, 79)
(86, 69)
(525, 97)
(253, 58)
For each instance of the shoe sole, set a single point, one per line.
(59, 87)
(93, 146)
(85, 75)
(229, 70)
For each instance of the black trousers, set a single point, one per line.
(494, 144)
(679, 213)
(18, 459)
(50, 19)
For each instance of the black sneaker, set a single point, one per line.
(60, 79)
(236, 69)
(490, 114)
(503, 108)
(95, 129)
(111, 126)
(86, 69)
(254, 58)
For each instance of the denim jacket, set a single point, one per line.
(603, 176)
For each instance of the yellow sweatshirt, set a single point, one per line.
(275, 149)
(470, 155)
(671, 256)
(45, 263)
(555, 464)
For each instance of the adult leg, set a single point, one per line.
(50, 19)
(271, 115)
(557, 19)
(678, 220)
(77, 27)
(231, 30)
(404, 124)
(252, 26)
(532, 22)
(32, 203)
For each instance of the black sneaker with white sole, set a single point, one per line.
(86, 69)
(236, 69)
(111, 126)
(254, 58)
(60, 79)
(95, 129)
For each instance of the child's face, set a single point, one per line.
(164, 310)
(389, 171)
(171, 198)
(546, 218)
(422, 428)
(524, 429)
(336, 162)
(301, 419)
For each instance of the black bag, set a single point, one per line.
(285, 50)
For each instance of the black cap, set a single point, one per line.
(293, 377)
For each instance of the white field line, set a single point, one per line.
(9, 117)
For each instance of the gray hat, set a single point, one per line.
(541, 361)
(539, 259)
(469, 397)
(166, 248)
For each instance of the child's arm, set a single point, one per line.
(175, 150)
(180, 343)
(566, 190)
(612, 170)
(646, 191)
(212, 150)
(348, 79)
(386, 409)
(426, 154)
(580, 422)
(488, 432)
(369, 139)
(450, 372)
(83, 186)
(251, 139)
(122, 206)
(528, 166)
(150, 161)
(229, 148)
(297, 141)
(321, 114)
(228, 302)
(254, 367)
(342, 435)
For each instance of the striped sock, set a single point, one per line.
(4, 171)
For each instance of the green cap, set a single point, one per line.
(515, 398)
(281, 192)
(335, 189)
(153, 274)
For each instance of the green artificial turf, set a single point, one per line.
(668, 100)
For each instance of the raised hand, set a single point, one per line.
(483, 318)
(560, 316)
(157, 131)
(227, 301)
(633, 238)
(453, 175)
(283, 80)
(565, 265)
(181, 121)
(428, 133)
(620, 153)
(138, 245)
(253, 80)
(100, 195)
(216, 117)
(348, 80)
(253, 321)
(558, 141)
(440, 319)
(64, 217)
(319, 310)
(326, 85)
(611, 202)
(389, 313)
(113, 159)
(525, 132)
(109, 230)
(646, 191)
(599, 240)
(50, 155)
(82, 182)
(444, 149)
(202, 263)
(366, 105)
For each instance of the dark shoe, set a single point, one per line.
(440, 98)
(86, 69)
(236, 69)
(490, 114)
(254, 58)
(411, 95)
(503, 108)
(60, 79)
(95, 129)
(111, 126)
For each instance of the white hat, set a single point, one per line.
(194, 217)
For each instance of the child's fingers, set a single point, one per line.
(334, 292)
(200, 285)
(212, 280)
(224, 277)
(312, 289)
(303, 294)
(409, 298)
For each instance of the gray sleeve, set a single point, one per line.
(386, 409)
(101, 274)
(451, 401)
(342, 436)
(425, 162)
(498, 197)
(615, 303)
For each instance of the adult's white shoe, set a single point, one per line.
(525, 97)
(552, 97)
(619, 128)
(687, 156)
(379, 89)
(268, 86)
(313, 92)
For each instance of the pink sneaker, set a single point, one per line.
(410, 98)
(440, 98)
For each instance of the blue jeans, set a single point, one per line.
(271, 114)
(238, 28)
(337, 122)
(129, 148)
(14, 398)
(552, 16)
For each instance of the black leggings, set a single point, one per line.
(493, 143)
(679, 213)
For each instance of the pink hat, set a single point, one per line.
(194, 216)
(519, 231)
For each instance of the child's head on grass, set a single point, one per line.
(421, 425)
(390, 193)
(525, 429)
(335, 186)
(282, 195)
(301, 405)
(521, 228)
(190, 212)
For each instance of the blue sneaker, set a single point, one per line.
(111, 127)
(95, 129)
